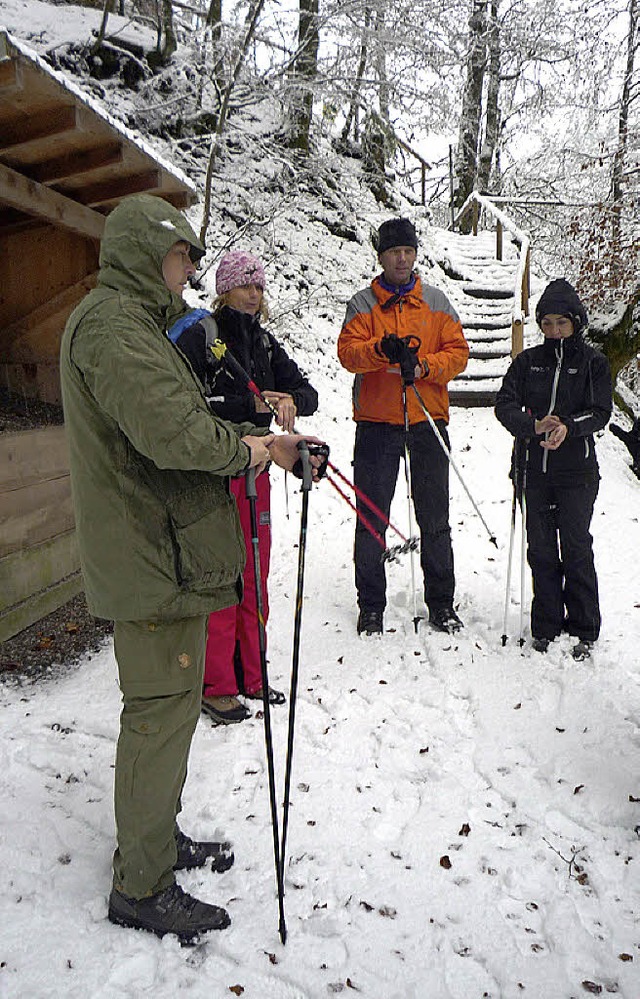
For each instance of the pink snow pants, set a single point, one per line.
(240, 622)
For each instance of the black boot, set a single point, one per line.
(369, 622)
(168, 911)
(445, 619)
(193, 854)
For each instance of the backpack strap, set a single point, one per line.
(189, 319)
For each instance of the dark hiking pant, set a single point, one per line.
(161, 665)
(560, 554)
(378, 450)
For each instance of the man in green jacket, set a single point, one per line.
(159, 538)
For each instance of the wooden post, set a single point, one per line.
(526, 283)
(498, 240)
(474, 217)
(517, 337)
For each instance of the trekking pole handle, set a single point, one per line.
(250, 483)
(303, 448)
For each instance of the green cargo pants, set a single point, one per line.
(161, 666)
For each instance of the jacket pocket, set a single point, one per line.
(207, 543)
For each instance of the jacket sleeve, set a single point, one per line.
(138, 380)
(510, 403)
(597, 414)
(452, 354)
(356, 345)
(289, 378)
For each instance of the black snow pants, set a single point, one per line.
(560, 554)
(377, 453)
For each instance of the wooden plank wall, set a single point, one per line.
(39, 564)
(44, 272)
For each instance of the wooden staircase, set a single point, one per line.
(481, 288)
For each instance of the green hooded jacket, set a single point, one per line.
(158, 532)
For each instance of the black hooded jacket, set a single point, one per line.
(567, 378)
(261, 356)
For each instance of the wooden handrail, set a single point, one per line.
(522, 284)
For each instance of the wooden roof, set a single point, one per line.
(63, 160)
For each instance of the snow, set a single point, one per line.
(521, 769)
(465, 817)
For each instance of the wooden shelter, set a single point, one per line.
(64, 165)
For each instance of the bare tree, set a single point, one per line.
(304, 74)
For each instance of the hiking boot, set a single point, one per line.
(192, 854)
(225, 710)
(582, 650)
(275, 696)
(540, 644)
(369, 622)
(168, 911)
(445, 619)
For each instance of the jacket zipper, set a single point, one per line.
(554, 392)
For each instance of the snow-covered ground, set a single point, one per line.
(463, 819)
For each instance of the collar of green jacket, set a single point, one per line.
(138, 234)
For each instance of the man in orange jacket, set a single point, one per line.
(399, 331)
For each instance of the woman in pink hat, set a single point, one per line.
(233, 654)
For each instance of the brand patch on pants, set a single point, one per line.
(265, 517)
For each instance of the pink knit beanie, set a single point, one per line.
(238, 268)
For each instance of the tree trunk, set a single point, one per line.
(619, 159)
(256, 10)
(492, 117)
(305, 71)
(381, 66)
(170, 44)
(467, 154)
(351, 118)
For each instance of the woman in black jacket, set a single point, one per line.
(233, 652)
(553, 398)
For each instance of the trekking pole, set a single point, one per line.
(407, 475)
(297, 628)
(523, 559)
(221, 352)
(252, 497)
(492, 537)
(512, 533)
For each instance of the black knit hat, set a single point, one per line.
(396, 232)
(561, 299)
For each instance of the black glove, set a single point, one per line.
(321, 451)
(392, 347)
(408, 361)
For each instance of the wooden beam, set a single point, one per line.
(118, 187)
(9, 76)
(24, 340)
(35, 199)
(26, 129)
(71, 164)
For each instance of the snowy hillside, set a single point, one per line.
(465, 817)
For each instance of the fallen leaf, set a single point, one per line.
(425, 749)
(445, 862)
(465, 829)
(592, 987)
(388, 911)
(365, 905)
(631, 798)
(517, 707)
(578, 788)
(626, 957)
(71, 627)
(236, 989)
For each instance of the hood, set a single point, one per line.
(138, 234)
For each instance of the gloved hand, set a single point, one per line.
(408, 362)
(392, 347)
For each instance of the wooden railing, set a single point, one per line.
(474, 205)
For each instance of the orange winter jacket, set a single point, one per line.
(423, 312)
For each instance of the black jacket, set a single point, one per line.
(261, 356)
(571, 380)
